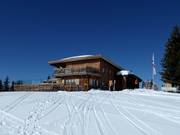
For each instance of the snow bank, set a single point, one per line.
(138, 112)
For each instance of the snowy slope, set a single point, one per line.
(139, 112)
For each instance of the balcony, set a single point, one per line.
(61, 72)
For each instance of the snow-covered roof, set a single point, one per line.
(76, 57)
(124, 72)
(83, 57)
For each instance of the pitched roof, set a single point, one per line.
(81, 58)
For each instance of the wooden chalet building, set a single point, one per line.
(91, 71)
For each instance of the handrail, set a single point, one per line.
(76, 71)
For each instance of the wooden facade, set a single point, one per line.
(87, 72)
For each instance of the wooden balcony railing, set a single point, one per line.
(81, 71)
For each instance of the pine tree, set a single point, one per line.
(1, 85)
(12, 86)
(49, 77)
(6, 84)
(19, 82)
(171, 60)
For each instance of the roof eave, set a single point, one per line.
(55, 62)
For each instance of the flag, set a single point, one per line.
(153, 65)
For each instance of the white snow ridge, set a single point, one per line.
(139, 112)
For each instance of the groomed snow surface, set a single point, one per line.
(139, 112)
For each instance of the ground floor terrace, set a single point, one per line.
(83, 83)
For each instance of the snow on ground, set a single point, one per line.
(139, 112)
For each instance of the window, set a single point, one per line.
(103, 70)
(90, 82)
(110, 72)
(77, 81)
(97, 83)
(66, 81)
(93, 82)
(72, 82)
(63, 81)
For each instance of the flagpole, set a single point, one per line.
(153, 71)
(153, 79)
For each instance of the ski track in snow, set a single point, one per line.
(94, 112)
(16, 102)
(148, 107)
(140, 125)
(168, 114)
(104, 123)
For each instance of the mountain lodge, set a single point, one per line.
(91, 71)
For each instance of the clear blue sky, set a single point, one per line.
(33, 32)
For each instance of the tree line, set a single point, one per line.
(6, 85)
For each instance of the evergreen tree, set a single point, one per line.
(6, 84)
(12, 86)
(171, 60)
(49, 77)
(19, 82)
(1, 85)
